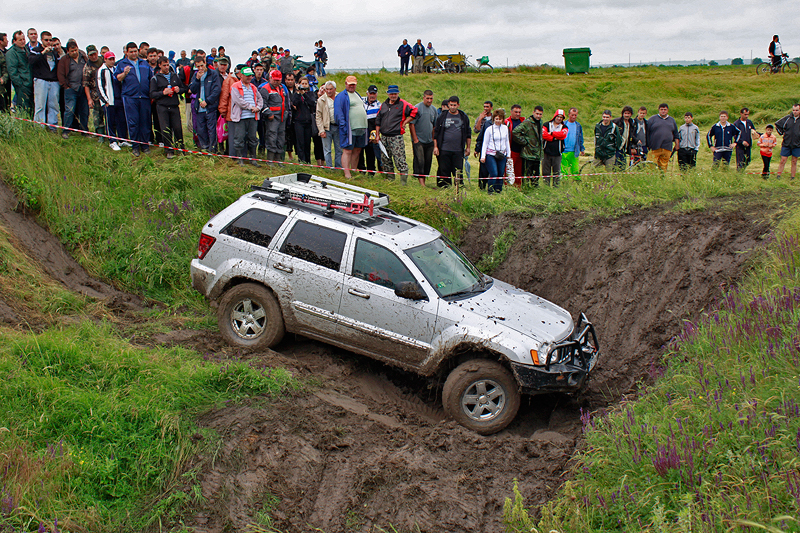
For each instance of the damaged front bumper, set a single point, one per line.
(567, 365)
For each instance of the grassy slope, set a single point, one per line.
(135, 223)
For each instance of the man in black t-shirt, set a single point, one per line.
(451, 138)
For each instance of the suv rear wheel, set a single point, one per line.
(481, 395)
(249, 316)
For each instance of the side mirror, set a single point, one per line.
(410, 290)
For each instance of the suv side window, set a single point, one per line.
(378, 265)
(315, 244)
(255, 226)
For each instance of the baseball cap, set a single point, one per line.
(393, 89)
(91, 48)
(372, 89)
(108, 55)
(350, 80)
(559, 112)
(221, 60)
(247, 71)
(276, 75)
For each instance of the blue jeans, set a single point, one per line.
(332, 136)
(206, 128)
(320, 68)
(137, 117)
(75, 104)
(497, 169)
(45, 98)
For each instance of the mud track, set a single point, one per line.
(366, 447)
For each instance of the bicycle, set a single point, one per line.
(638, 164)
(483, 63)
(786, 66)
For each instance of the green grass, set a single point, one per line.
(93, 427)
(94, 432)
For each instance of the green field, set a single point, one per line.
(96, 430)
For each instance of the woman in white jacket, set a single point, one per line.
(495, 151)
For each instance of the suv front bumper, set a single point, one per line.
(568, 364)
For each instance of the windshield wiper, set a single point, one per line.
(476, 288)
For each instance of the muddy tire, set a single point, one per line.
(481, 395)
(249, 316)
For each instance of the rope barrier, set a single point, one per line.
(291, 163)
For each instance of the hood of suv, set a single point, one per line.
(519, 310)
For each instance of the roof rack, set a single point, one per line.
(306, 188)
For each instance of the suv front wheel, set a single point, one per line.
(249, 316)
(481, 395)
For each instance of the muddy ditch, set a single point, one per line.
(370, 448)
(366, 447)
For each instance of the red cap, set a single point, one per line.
(276, 75)
(109, 55)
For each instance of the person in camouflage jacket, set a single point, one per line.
(529, 135)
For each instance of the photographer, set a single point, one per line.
(304, 106)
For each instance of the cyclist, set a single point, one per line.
(775, 53)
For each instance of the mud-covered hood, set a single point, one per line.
(506, 305)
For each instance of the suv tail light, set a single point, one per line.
(206, 242)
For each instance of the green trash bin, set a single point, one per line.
(577, 60)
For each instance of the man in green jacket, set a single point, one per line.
(529, 135)
(20, 71)
(607, 140)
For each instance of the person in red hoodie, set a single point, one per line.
(553, 134)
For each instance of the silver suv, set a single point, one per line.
(330, 261)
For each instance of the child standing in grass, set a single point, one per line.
(767, 142)
(689, 135)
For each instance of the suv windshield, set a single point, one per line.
(446, 268)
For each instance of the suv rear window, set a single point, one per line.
(315, 244)
(255, 226)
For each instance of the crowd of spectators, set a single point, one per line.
(272, 107)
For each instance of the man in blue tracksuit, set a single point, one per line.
(725, 137)
(134, 74)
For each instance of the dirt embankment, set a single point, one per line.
(367, 446)
(636, 277)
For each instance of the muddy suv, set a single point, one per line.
(330, 261)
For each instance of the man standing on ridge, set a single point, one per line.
(573, 144)
(351, 117)
(529, 137)
(451, 138)
(419, 56)
(422, 136)
(789, 127)
(743, 148)
(390, 125)
(662, 137)
(404, 53)
(19, 70)
(134, 74)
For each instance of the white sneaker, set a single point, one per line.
(115, 147)
(126, 144)
(161, 145)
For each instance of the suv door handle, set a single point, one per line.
(281, 266)
(358, 293)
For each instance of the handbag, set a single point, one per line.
(222, 129)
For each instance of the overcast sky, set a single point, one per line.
(366, 34)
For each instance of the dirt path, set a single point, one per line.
(48, 251)
(368, 447)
